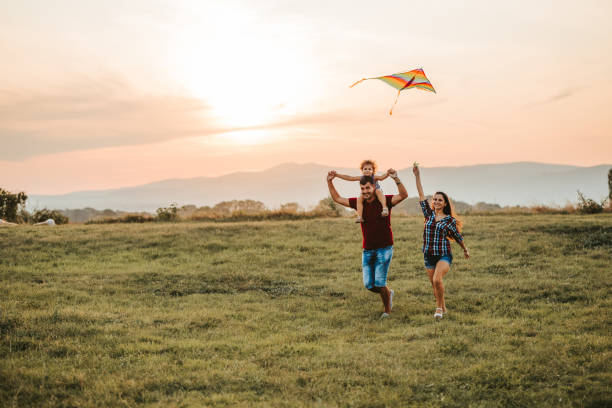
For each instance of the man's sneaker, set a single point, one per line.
(391, 299)
(384, 316)
(439, 313)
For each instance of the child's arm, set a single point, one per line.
(382, 176)
(348, 178)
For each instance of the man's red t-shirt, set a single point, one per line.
(376, 230)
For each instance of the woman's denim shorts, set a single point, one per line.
(432, 260)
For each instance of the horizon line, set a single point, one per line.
(305, 164)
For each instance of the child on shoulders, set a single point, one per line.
(368, 168)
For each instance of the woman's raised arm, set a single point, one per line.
(417, 175)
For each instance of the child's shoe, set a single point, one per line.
(359, 220)
(385, 212)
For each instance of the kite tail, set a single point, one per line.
(361, 80)
(393, 106)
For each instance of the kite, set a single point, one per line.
(404, 80)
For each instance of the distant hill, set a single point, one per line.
(503, 184)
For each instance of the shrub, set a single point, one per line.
(263, 216)
(610, 188)
(126, 218)
(45, 214)
(588, 205)
(543, 209)
(239, 207)
(187, 211)
(24, 217)
(167, 213)
(138, 218)
(289, 208)
(10, 203)
(328, 207)
(88, 213)
(481, 206)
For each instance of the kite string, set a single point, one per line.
(393, 106)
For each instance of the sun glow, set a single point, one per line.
(247, 72)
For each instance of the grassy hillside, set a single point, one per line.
(274, 314)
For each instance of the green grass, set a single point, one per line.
(274, 314)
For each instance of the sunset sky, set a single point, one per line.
(104, 94)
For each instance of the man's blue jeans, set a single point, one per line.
(375, 263)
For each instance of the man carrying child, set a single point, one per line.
(376, 232)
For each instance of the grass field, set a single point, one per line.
(274, 314)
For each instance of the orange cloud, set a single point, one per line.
(96, 113)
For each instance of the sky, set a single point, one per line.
(106, 94)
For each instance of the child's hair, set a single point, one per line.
(370, 162)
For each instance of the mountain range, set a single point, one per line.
(508, 184)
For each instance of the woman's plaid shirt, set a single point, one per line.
(435, 241)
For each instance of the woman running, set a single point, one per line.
(441, 225)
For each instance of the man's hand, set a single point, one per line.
(392, 173)
(333, 192)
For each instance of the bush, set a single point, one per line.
(88, 213)
(289, 208)
(10, 203)
(588, 205)
(543, 209)
(187, 211)
(126, 218)
(45, 214)
(610, 188)
(167, 213)
(484, 207)
(24, 217)
(229, 208)
(263, 216)
(251, 210)
(329, 208)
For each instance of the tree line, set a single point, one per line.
(13, 209)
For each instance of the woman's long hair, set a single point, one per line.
(450, 210)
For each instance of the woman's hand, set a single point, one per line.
(466, 253)
(416, 171)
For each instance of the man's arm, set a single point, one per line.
(403, 193)
(346, 177)
(333, 192)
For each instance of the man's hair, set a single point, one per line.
(366, 179)
(370, 162)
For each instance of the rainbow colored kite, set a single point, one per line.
(405, 80)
